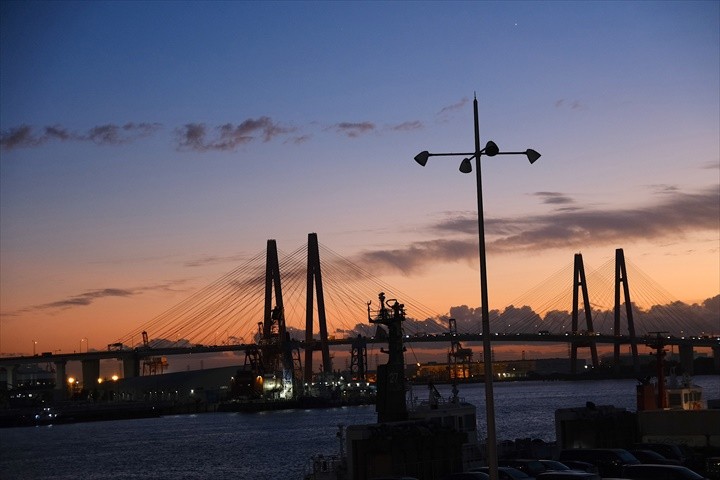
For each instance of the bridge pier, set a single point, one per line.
(60, 379)
(716, 357)
(90, 373)
(687, 355)
(131, 365)
(10, 376)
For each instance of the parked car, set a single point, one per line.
(667, 450)
(528, 466)
(651, 456)
(507, 473)
(394, 478)
(659, 472)
(568, 475)
(609, 461)
(467, 476)
(555, 466)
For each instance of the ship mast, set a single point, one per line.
(391, 406)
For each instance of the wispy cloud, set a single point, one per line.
(353, 129)
(196, 136)
(554, 198)
(455, 106)
(571, 104)
(407, 126)
(418, 255)
(299, 139)
(87, 298)
(227, 137)
(214, 259)
(673, 215)
(91, 296)
(662, 188)
(26, 136)
(110, 134)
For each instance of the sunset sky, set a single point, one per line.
(149, 147)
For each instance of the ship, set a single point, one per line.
(672, 419)
(271, 377)
(422, 440)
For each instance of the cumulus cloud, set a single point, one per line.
(26, 136)
(674, 214)
(227, 137)
(674, 317)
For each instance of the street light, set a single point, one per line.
(81, 342)
(490, 150)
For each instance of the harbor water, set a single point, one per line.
(270, 445)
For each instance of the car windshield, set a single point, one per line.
(553, 465)
(626, 456)
(647, 454)
(508, 472)
(515, 473)
(653, 471)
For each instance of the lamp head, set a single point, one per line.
(491, 149)
(532, 155)
(422, 157)
(466, 166)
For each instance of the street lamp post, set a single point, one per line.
(490, 150)
(86, 345)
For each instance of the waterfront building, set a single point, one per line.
(504, 370)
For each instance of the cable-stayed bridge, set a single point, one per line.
(274, 303)
(228, 310)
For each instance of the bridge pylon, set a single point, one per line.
(314, 283)
(621, 277)
(275, 344)
(579, 281)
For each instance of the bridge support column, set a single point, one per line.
(131, 365)
(90, 373)
(60, 374)
(10, 376)
(686, 358)
(716, 358)
(60, 380)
